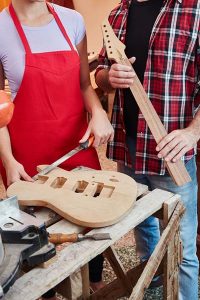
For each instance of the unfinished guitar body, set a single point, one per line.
(87, 198)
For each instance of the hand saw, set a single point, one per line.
(115, 51)
(81, 147)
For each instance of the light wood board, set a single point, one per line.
(87, 198)
(94, 11)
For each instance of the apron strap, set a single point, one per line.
(60, 25)
(19, 29)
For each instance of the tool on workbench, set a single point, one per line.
(60, 238)
(116, 52)
(81, 147)
(23, 239)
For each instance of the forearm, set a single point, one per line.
(5, 146)
(91, 101)
(102, 80)
(99, 124)
(14, 170)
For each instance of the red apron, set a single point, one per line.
(49, 117)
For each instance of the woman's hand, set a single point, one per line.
(121, 76)
(100, 127)
(15, 171)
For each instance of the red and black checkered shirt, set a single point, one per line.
(170, 80)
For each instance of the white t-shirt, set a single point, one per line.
(47, 38)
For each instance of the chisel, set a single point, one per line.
(59, 238)
(81, 147)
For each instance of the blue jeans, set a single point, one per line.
(147, 233)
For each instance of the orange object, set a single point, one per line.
(6, 108)
(3, 4)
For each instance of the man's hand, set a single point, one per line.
(176, 144)
(121, 76)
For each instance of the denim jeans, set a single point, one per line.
(147, 233)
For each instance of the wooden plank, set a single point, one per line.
(85, 282)
(111, 97)
(71, 287)
(115, 289)
(76, 255)
(158, 254)
(76, 285)
(87, 198)
(169, 207)
(115, 51)
(170, 288)
(94, 12)
(64, 288)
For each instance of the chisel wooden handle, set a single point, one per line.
(59, 238)
(88, 143)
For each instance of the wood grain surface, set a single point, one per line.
(87, 198)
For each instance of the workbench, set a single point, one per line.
(165, 205)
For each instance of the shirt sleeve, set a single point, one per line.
(80, 29)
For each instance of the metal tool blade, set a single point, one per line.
(94, 236)
(101, 236)
(88, 143)
(57, 162)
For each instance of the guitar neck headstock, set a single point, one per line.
(115, 48)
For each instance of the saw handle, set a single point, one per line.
(88, 143)
(60, 238)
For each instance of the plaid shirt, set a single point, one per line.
(170, 79)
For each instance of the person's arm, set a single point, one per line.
(14, 170)
(117, 76)
(178, 142)
(99, 124)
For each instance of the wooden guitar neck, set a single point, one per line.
(115, 51)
